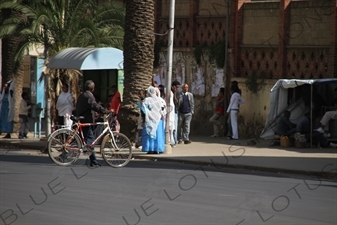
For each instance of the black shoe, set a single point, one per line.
(8, 135)
(94, 163)
(187, 142)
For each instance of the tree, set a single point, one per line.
(138, 57)
(59, 24)
(9, 69)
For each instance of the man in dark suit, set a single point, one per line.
(185, 112)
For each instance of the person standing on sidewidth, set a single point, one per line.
(219, 111)
(233, 110)
(23, 115)
(186, 110)
(86, 103)
(65, 106)
(6, 124)
(115, 100)
(228, 130)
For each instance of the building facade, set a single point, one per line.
(266, 41)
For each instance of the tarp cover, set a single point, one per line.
(87, 59)
(279, 101)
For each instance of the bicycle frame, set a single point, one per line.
(78, 130)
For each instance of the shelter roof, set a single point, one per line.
(292, 83)
(87, 59)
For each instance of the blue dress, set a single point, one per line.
(6, 127)
(157, 144)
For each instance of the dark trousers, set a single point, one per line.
(318, 138)
(60, 120)
(89, 138)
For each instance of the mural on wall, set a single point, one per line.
(198, 80)
(161, 71)
(178, 69)
(217, 81)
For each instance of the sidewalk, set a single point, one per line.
(220, 152)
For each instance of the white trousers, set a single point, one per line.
(234, 122)
(329, 115)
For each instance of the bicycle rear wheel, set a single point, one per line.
(116, 151)
(64, 147)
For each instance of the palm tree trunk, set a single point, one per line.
(9, 47)
(8, 51)
(138, 58)
(19, 76)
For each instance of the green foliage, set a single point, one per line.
(216, 53)
(59, 24)
(255, 82)
(198, 53)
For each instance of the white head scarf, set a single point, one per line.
(65, 103)
(152, 108)
(163, 103)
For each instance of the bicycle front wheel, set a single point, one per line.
(117, 150)
(64, 147)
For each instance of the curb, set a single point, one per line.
(325, 175)
(22, 145)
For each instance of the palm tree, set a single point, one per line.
(138, 57)
(9, 68)
(59, 24)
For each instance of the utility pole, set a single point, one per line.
(168, 148)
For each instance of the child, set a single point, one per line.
(23, 115)
(142, 94)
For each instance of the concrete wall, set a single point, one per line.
(212, 8)
(261, 23)
(182, 8)
(310, 23)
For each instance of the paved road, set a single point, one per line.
(35, 191)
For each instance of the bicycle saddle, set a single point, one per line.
(76, 118)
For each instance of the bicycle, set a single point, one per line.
(66, 145)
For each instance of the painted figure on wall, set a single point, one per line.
(198, 81)
(217, 81)
(178, 69)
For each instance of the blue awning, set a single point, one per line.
(87, 59)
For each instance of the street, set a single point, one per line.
(33, 190)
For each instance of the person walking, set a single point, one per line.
(65, 106)
(186, 110)
(219, 111)
(6, 125)
(85, 106)
(23, 115)
(233, 110)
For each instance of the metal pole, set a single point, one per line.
(47, 109)
(226, 41)
(168, 148)
(311, 108)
